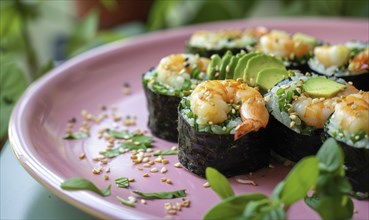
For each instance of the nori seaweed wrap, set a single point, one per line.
(299, 113)
(221, 125)
(349, 125)
(349, 62)
(294, 50)
(165, 85)
(207, 43)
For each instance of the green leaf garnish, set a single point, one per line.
(126, 202)
(83, 184)
(75, 136)
(231, 207)
(219, 183)
(300, 179)
(122, 182)
(166, 152)
(162, 195)
(330, 157)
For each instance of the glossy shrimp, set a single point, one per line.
(280, 44)
(352, 113)
(336, 55)
(210, 102)
(173, 70)
(314, 111)
(360, 63)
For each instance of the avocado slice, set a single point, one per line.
(225, 61)
(268, 77)
(214, 66)
(257, 63)
(232, 65)
(320, 86)
(241, 65)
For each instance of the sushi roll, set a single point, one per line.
(349, 61)
(207, 43)
(165, 85)
(294, 50)
(221, 125)
(299, 107)
(349, 125)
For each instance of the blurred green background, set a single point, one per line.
(37, 35)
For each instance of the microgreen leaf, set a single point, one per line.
(119, 134)
(264, 209)
(166, 152)
(330, 157)
(219, 183)
(162, 195)
(77, 183)
(122, 182)
(300, 179)
(338, 207)
(231, 207)
(125, 202)
(75, 136)
(112, 152)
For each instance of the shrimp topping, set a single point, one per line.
(210, 102)
(173, 70)
(316, 111)
(352, 114)
(280, 44)
(337, 55)
(360, 63)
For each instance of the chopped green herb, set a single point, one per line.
(112, 152)
(126, 202)
(219, 183)
(162, 195)
(122, 182)
(75, 136)
(166, 152)
(83, 184)
(358, 136)
(119, 134)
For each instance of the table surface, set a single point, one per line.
(22, 197)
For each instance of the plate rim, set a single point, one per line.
(51, 181)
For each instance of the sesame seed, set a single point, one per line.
(143, 201)
(293, 117)
(106, 177)
(271, 166)
(149, 150)
(242, 181)
(174, 147)
(172, 212)
(131, 180)
(178, 165)
(163, 170)
(165, 161)
(147, 165)
(132, 199)
(151, 162)
(82, 156)
(145, 160)
(206, 185)
(139, 168)
(169, 181)
(154, 170)
(107, 170)
(96, 170)
(163, 179)
(292, 124)
(145, 175)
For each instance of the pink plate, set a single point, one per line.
(96, 78)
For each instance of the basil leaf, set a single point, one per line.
(219, 183)
(162, 195)
(75, 136)
(122, 182)
(276, 212)
(119, 135)
(264, 209)
(126, 202)
(330, 157)
(299, 180)
(166, 152)
(312, 201)
(340, 207)
(232, 207)
(332, 185)
(77, 183)
(112, 152)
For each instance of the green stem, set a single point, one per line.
(31, 57)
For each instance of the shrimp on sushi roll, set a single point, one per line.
(165, 85)
(349, 61)
(349, 125)
(294, 50)
(221, 125)
(300, 106)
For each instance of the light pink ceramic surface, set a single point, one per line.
(96, 78)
